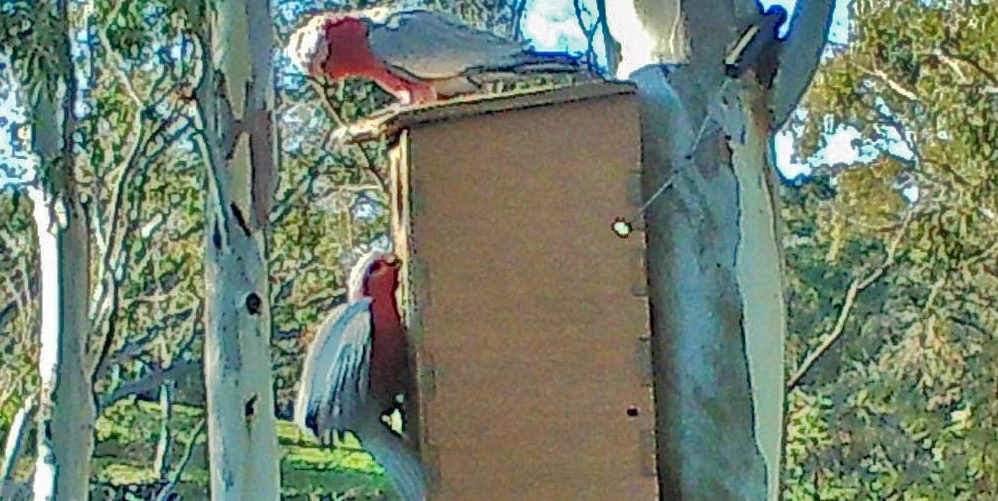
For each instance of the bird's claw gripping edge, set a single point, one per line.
(360, 130)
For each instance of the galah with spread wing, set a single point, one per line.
(418, 56)
(355, 367)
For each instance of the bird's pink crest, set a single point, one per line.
(374, 273)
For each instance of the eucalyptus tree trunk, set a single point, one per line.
(714, 260)
(236, 99)
(66, 413)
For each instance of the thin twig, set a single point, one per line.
(15, 440)
(176, 371)
(588, 31)
(891, 83)
(519, 9)
(185, 459)
(341, 123)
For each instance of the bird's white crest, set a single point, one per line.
(307, 46)
(355, 283)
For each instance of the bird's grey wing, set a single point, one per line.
(432, 45)
(334, 380)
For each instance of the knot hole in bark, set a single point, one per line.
(216, 237)
(249, 408)
(253, 304)
(240, 219)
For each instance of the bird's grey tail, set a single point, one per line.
(401, 463)
(528, 64)
(550, 62)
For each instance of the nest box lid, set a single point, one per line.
(466, 106)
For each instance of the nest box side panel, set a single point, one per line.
(532, 336)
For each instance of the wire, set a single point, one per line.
(623, 227)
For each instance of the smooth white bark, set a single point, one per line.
(66, 413)
(715, 265)
(48, 351)
(236, 103)
(759, 272)
(707, 447)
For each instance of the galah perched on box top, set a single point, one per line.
(416, 55)
(355, 367)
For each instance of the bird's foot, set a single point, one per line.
(417, 94)
(359, 131)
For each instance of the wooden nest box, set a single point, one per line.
(527, 313)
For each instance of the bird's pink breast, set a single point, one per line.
(349, 52)
(389, 349)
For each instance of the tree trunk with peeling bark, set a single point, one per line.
(714, 260)
(66, 413)
(236, 99)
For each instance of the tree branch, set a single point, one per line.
(948, 56)
(164, 445)
(855, 287)
(164, 493)
(589, 32)
(114, 257)
(15, 439)
(892, 84)
(150, 382)
(519, 9)
(340, 124)
(799, 56)
(610, 44)
(134, 347)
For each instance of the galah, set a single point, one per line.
(355, 367)
(416, 55)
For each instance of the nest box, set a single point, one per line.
(528, 313)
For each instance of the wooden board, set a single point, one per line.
(530, 330)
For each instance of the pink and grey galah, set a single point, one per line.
(356, 366)
(418, 56)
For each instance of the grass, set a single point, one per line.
(127, 436)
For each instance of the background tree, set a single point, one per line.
(126, 114)
(235, 97)
(65, 417)
(892, 262)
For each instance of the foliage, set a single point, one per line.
(128, 433)
(902, 406)
(18, 293)
(34, 35)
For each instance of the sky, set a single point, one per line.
(549, 25)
